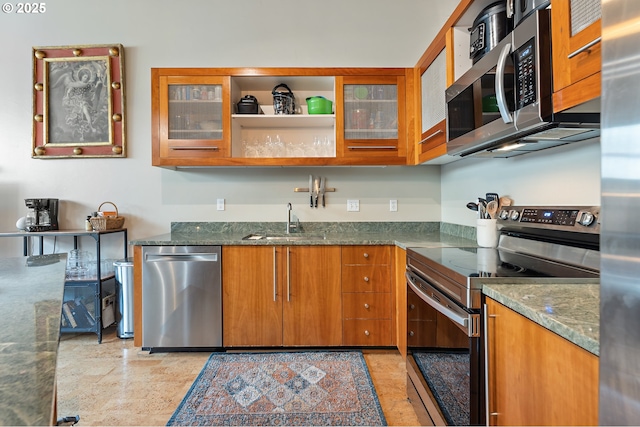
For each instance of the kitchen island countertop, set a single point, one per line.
(569, 310)
(31, 307)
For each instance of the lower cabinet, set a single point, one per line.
(536, 377)
(366, 296)
(281, 296)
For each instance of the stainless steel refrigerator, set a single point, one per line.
(620, 227)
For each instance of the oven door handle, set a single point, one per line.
(455, 317)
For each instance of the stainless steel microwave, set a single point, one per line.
(503, 106)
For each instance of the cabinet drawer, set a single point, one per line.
(367, 332)
(366, 278)
(367, 305)
(357, 255)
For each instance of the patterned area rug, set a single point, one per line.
(301, 389)
(447, 375)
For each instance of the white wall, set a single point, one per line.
(567, 175)
(207, 33)
(232, 33)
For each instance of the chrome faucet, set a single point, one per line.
(290, 226)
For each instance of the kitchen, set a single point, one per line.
(151, 198)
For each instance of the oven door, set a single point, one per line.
(444, 357)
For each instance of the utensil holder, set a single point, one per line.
(487, 232)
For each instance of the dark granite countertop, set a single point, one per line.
(31, 306)
(571, 310)
(404, 234)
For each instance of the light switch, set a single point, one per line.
(393, 205)
(220, 204)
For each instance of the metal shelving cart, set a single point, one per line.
(89, 290)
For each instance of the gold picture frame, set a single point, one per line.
(78, 102)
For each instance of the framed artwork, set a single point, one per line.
(78, 102)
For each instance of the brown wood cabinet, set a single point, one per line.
(435, 74)
(367, 300)
(195, 121)
(536, 377)
(281, 296)
(371, 118)
(191, 118)
(577, 58)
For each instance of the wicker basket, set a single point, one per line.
(102, 223)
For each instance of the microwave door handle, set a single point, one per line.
(500, 95)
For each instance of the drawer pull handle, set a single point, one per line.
(366, 279)
(366, 306)
(366, 255)
(411, 333)
(366, 333)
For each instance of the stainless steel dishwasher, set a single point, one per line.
(181, 297)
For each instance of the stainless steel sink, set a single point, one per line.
(282, 237)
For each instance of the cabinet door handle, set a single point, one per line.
(366, 306)
(438, 132)
(275, 275)
(371, 147)
(585, 47)
(366, 333)
(486, 364)
(366, 279)
(366, 255)
(195, 148)
(288, 274)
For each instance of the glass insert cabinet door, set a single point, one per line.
(195, 111)
(193, 116)
(371, 111)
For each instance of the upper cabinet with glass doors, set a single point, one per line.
(196, 120)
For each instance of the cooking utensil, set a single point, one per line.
(316, 190)
(473, 206)
(505, 201)
(491, 196)
(311, 190)
(492, 209)
(322, 184)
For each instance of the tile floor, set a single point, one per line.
(115, 383)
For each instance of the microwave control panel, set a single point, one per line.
(525, 71)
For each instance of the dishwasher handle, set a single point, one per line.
(182, 257)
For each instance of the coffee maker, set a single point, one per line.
(42, 215)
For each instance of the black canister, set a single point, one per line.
(248, 105)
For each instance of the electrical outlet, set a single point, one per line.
(353, 205)
(220, 204)
(393, 205)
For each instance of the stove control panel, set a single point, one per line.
(570, 218)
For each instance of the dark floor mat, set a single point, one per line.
(447, 375)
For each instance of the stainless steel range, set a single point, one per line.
(445, 357)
